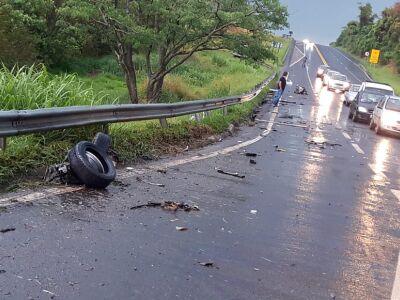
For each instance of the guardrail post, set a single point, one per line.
(225, 110)
(163, 123)
(197, 117)
(3, 143)
(207, 113)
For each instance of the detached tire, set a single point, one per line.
(91, 165)
(103, 141)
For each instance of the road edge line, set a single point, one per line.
(396, 284)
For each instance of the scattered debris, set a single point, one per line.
(129, 168)
(7, 229)
(253, 212)
(181, 228)
(169, 205)
(277, 149)
(186, 149)
(209, 264)
(2, 271)
(301, 90)
(48, 292)
(149, 204)
(286, 116)
(163, 171)
(225, 221)
(251, 154)
(256, 269)
(253, 162)
(322, 144)
(235, 174)
(266, 259)
(150, 183)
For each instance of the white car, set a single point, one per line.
(382, 88)
(327, 76)
(338, 82)
(386, 115)
(351, 94)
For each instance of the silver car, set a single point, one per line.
(386, 115)
(351, 94)
(338, 82)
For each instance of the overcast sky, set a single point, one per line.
(321, 21)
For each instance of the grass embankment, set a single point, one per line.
(206, 75)
(380, 73)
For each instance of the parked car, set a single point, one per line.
(328, 76)
(351, 94)
(321, 70)
(338, 82)
(386, 115)
(382, 88)
(363, 105)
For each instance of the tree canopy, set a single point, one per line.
(371, 32)
(165, 32)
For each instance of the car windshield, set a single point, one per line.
(371, 97)
(340, 77)
(354, 88)
(381, 91)
(393, 104)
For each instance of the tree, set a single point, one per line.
(366, 15)
(168, 33)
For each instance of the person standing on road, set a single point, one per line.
(305, 61)
(281, 87)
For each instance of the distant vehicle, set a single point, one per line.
(351, 94)
(328, 76)
(338, 82)
(382, 88)
(321, 70)
(363, 105)
(386, 115)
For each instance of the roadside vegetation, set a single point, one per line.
(57, 53)
(371, 31)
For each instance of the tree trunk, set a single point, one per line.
(154, 88)
(124, 54)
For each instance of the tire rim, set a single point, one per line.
(95, 162)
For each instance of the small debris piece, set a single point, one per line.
(279, 149)
(333, 296)
(2, 271)
(150, 183)
(256, 269)
(129, 168)
(7, 229)
(48, 292)
(322, 143)
(163, 171)
(169, 205)
(230, 173)
(253, 162)
(209, 264)
(251, 154)
(179, 228)
(285, 116)
(253, 212)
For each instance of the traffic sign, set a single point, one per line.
(367, 54)
(374, 58)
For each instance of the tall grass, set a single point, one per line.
(34, 87)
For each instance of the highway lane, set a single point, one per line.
(308, 221)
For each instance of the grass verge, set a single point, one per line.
(136, 140)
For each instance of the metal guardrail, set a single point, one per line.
(18, 122)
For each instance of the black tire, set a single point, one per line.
(378, 129)
(103, 141)
(350, 115)
(372, 124)
(354, 117)
(91, 165)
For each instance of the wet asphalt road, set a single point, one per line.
(306, 222)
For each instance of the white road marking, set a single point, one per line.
(380, 173)
(297, 61)
(396, 283)
(123, 174)
(346, 135)
(357, 65)
(357, 148)
(397, 194)
(309, 79)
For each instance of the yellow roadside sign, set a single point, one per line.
(374, 58)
